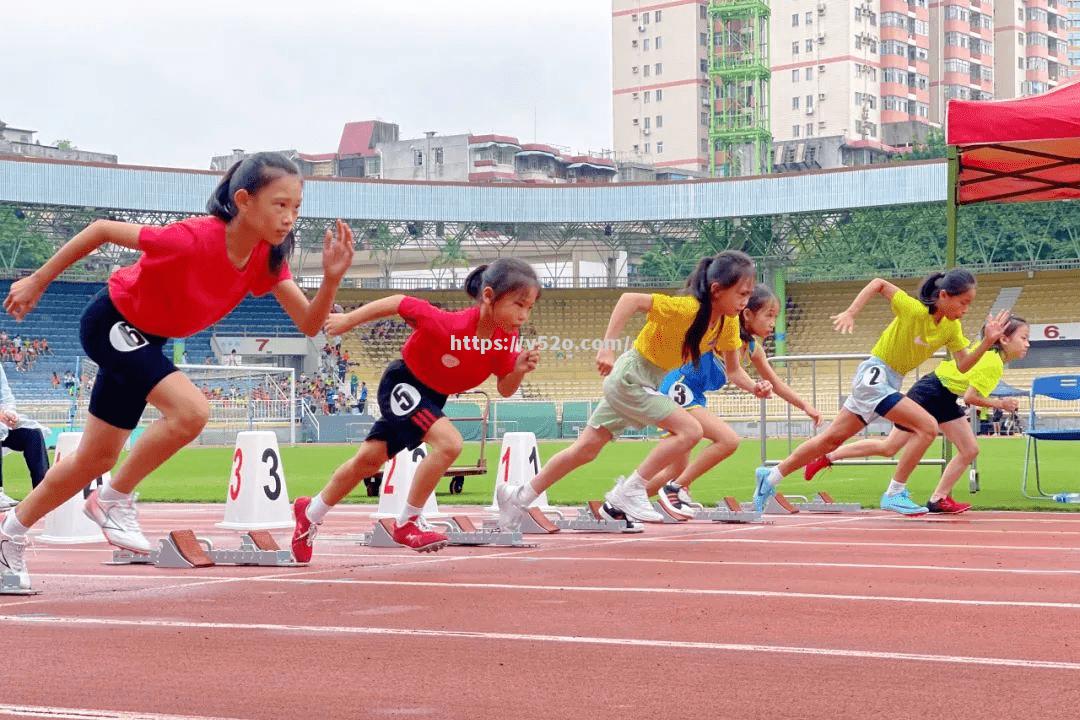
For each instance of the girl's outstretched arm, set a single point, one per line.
(844, 322)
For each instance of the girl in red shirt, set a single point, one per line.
(190, 274)
(447, 353)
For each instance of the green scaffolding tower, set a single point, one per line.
(739, 77)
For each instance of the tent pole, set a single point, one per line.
(951, 208)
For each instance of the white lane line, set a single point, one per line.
(158, 623)
(48, 711)
(857, 543)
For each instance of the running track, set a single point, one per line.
(858, 616)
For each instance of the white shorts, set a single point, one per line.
(874, 391)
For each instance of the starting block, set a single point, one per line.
(823, 503)
(9, 585)
(590, 520)
(730, 511)
(182, 549)
(779, 504)
(459, 530)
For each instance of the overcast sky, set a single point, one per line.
(175, 83)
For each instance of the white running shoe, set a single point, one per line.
(6, 501)
(119, 522)
(11, 558)
(633, 499)
(511, 509)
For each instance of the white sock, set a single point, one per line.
(895, 487)
(526, 494)
(408, 513)
(829, 457)
(774, 476)
(109, 494)
(635, 478)
(317, 509)
(12, 527)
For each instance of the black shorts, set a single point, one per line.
(936, 399)
(130, 363)
(409, 408)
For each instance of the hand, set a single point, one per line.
(337, 324)
(9, 418)
(995, 326)
(337, 252)
(814, 414)
(844, 323)
(527, 361)
(604, 360)
(1010, 404)
(763, 389)
(23, 296)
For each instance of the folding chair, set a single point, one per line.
(1058, 387)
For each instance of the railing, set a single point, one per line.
(839, 359)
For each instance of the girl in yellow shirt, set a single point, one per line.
(677, 330)
(920, 327)
(940, 394)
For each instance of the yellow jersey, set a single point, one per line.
(661, 340)
(913, 336)
(984, 377)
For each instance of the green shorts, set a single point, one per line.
(631, 398)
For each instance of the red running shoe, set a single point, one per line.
(815, 467)
(411, 535)
(948, 506)
(303, 537)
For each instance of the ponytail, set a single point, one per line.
(252, 174)
(954, 282)
(503, 276)
(726, 269)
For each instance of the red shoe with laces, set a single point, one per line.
(303, 537)
(411, 535)
(815, 467)
(947, 506)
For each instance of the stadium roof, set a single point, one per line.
(1023, 150)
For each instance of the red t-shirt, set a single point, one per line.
(453, 367)
(184, 281)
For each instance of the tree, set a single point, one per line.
(65, 145)
(21, 246)
(934, 147)
(451, 256)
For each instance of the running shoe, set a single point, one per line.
(902, 503)
(303, 537)
(119, 521)
(633, 499)
(672, 503)
(511, 510)
(763, 489)
(815, 467)
(947, 506)
(6, 501)
(11, 558)
(411, 535)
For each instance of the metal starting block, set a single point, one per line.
(459, 530)
(590, 520)
(182, 549)
(823, 503)
(9, 585)
(730, 511)
(779, 504)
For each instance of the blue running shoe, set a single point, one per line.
(763, 490)
(902, 503)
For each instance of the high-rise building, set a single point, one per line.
(1073, 9)
(1030, 46)
(962, 53)
(660, 90)
(849, 83)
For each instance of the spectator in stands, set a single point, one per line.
(21, 434)
(363, 397)
(55, 381)
(45, 349)
(184, 358)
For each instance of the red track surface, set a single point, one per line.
(814, 616)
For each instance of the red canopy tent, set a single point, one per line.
(1023, 150)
